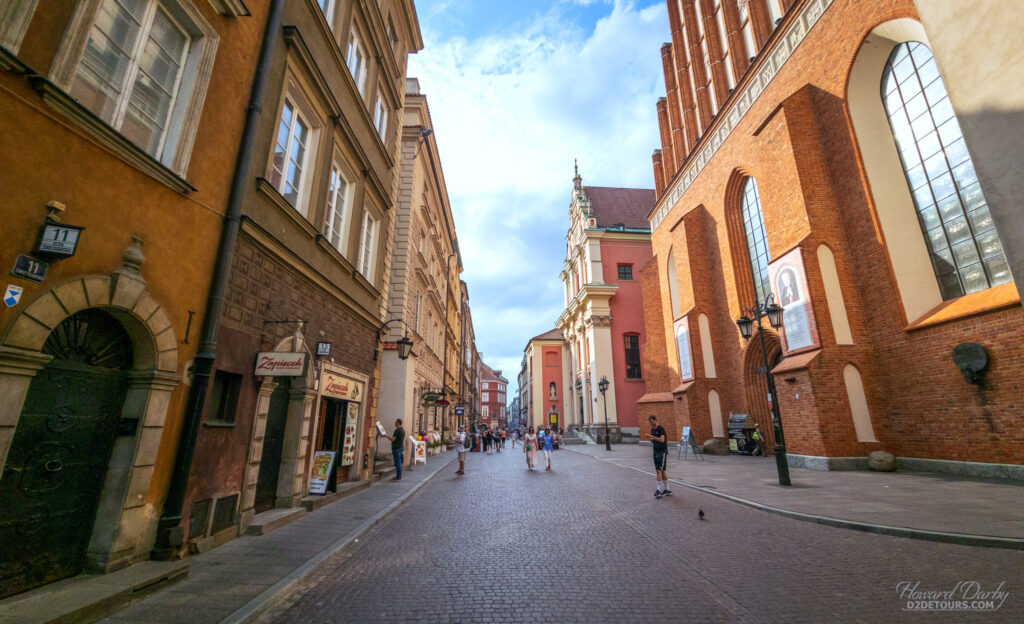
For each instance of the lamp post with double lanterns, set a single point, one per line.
(746, 324)
(603, 387)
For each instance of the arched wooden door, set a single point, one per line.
(54, 472)
(757, 384)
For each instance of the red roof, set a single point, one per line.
(626, 206)
(552, 334)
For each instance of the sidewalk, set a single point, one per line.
(963, 510)
(236, 581)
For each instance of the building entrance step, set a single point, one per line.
(384, 473)
(273, 519)
(89, 597)
(316, 501)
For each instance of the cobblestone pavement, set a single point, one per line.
(588, 543)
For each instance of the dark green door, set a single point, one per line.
(54, 472)
(273, 444)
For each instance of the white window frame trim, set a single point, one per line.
(332, 207)
(186, 111)
(294, 92)
(368, 243)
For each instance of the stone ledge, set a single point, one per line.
(273, 519)
(88, 598)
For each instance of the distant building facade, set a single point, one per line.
(493, 407)
(608, 242)
(548, 381)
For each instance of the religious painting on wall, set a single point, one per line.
(682, 332)
(789, 285)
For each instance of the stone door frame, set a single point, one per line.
(291, 477)
(126, 517)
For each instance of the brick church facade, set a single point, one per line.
(812, 151)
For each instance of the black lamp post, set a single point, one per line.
(603, 387)
(746, 324)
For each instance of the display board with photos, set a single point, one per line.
(682, 334)
(789, 285)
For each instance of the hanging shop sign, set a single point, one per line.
(280, 364)
(789, 284)
(348, 447)
(682, 331)
(338, 387)
(58, 239)
(30, 268)
(460, 410)
(322, 461)
(323, 348)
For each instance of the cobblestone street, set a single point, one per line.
(502, 544)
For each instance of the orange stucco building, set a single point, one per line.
(123, 122)
(811, 152)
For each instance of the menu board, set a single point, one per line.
(789, 284)
(322, 461)
(348, 446)
(682, 331)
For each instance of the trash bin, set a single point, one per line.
(741, 430)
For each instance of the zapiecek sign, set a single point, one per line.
(280, 364)
(338, 387)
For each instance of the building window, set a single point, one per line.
(131, 70)
(327, 8)
(337, 209)
(224, 397)
(632, 356)
(290, 150)
(380, 117)
(625, 271)
(962, 240)
(723, 41)
(673, 285)
(485, 385)
(419, 303)
(368, 246)
(757, 244)
(357, 61)
(487, 397)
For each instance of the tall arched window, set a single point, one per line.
(757, 244)
(962, 241)
(673, 285)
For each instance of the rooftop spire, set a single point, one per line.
(577, 181)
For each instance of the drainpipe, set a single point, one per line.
(170, 534)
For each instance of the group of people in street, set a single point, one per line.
(545, 442)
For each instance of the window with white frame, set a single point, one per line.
(291, 148)
(130, 72)
(485, 385)
(327, 8)
(419, 304)
(380, 117)
(337, 209)
(487, 397)
(356, 60)
(368, 246)
(747, 29)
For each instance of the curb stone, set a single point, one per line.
(276, 592)
(963, 539)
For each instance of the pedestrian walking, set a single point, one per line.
(460, 448)
(548, 444)
(488, 440)
(397, 438)
(530, 449)
(504, 434)
(515, 436)
(659, 441)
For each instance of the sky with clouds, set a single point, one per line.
(517, 89)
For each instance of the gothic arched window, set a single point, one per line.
(757, 244)
(962, 241)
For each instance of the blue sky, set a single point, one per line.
(517, 89)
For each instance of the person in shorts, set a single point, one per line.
(659, 440)
(460, 448)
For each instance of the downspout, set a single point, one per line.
(170, 534)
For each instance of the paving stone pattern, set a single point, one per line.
(588, 543)
(227, 578)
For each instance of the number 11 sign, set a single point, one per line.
(59, 240)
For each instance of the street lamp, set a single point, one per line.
(746, 324)
(603, 387)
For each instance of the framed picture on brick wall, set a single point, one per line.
(789, 285)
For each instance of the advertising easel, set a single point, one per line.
(687, 444)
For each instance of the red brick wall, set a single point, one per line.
(797, 140)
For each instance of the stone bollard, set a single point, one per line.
(881, 461)
(715, 446)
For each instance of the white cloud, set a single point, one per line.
(511, 111)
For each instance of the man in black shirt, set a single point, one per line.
(659, 440)
(397, 448)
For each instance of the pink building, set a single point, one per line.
(609, 240)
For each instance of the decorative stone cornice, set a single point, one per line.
(767, 65)
(598, 320)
